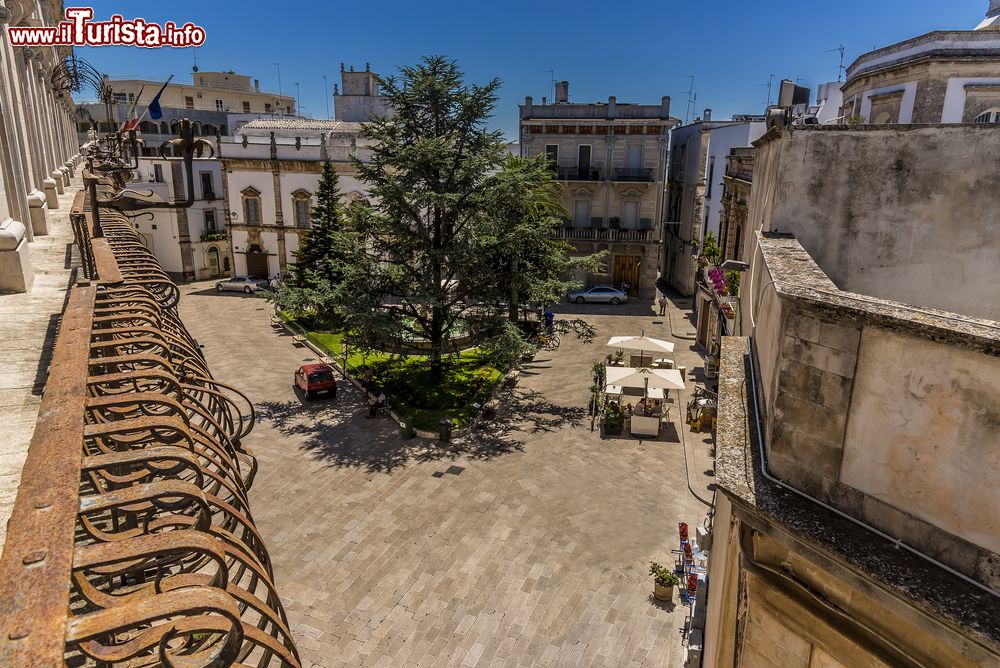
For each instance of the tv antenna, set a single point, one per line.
(194, 52)
(692, 100)
(552, 84)
(768, 85)
(840, 67)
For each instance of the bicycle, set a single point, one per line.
(546, 341)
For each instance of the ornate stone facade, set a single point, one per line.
(38, 143)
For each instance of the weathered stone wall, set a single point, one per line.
(922, 436)
(812, 397)
(906, 213)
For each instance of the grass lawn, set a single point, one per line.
(468, 379)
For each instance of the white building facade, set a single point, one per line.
(271, 173)
(190, 243)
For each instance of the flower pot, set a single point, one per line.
(663, 593)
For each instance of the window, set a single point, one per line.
(267, 107)
(219, 106)
(737, 242)
(119, 97)
(251, 206)
(630, 214)
(583, 158)
(288, 110)
(246, 107)
(301, 206)
(581, 213)
(209, 221)
(189, 102)
(207, 188)
(552, 150)
(131, 97)
(158, 172)
(988, 116)
(711, 176)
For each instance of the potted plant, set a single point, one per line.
(614, 418)
(664, 581)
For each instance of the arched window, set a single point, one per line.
(302, 208)
(988, 116)
(251, 206)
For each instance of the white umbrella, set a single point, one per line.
(641, 343)
(664, 379)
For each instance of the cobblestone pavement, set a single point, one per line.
(28, 324)
(527, 543)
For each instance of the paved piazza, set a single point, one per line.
(527, 543)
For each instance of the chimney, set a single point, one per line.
(256, 85)
(665, 106)
(562, 92)
(545, 100)
(708, 114)
(526, 111)
(612, 106)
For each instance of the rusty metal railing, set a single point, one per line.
(132, 541)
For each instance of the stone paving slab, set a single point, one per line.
(27, 329)
(526, 543)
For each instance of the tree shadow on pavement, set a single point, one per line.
(340, 432)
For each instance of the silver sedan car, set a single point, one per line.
(599, 293)
(245, 284)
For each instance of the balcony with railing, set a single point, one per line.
(580, 174)
(214, 235)
(646, 236)
(131, 540)
(640, 174)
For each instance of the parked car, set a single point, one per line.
(316, 379)
(245, 284)
(599, 293)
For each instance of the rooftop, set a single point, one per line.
(738, 475)
(949, 44)
(308, 126)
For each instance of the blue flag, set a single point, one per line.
(153, 108)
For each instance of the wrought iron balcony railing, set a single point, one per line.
(131, 540)
(627, 174)
(578, 174)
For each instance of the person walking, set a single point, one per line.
(662, 303)
(626, 286)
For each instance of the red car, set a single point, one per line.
(316, 379)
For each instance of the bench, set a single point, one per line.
(644, 426)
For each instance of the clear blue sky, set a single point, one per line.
(637, 52)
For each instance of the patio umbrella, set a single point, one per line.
(664, 379)
(641, 343)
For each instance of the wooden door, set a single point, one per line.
(257, 265)
(626, 268)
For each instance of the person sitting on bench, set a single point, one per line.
(379, 404)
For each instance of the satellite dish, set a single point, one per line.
(194, 69)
